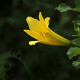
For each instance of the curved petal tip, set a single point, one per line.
(33, 42)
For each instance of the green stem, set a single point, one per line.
(74, 44)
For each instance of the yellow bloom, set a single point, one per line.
(42, 33)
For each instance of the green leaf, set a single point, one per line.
(75, 9)
(77, 27)
(63, 7)
(76, 64)
(73, 51)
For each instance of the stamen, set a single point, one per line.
(42, 35)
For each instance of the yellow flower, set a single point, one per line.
(42, 33)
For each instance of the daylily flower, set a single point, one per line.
(42, 33)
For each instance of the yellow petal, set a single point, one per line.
(45, 42)
(41, 17)
(33, 34)
(47, 21)
(49, 42)
(33, 42)
(34, 24)
(54, 37)
(42, 21)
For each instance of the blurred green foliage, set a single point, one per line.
(73, 51)
(18, 60)
(63, 7)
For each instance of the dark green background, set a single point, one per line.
(18, 60)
